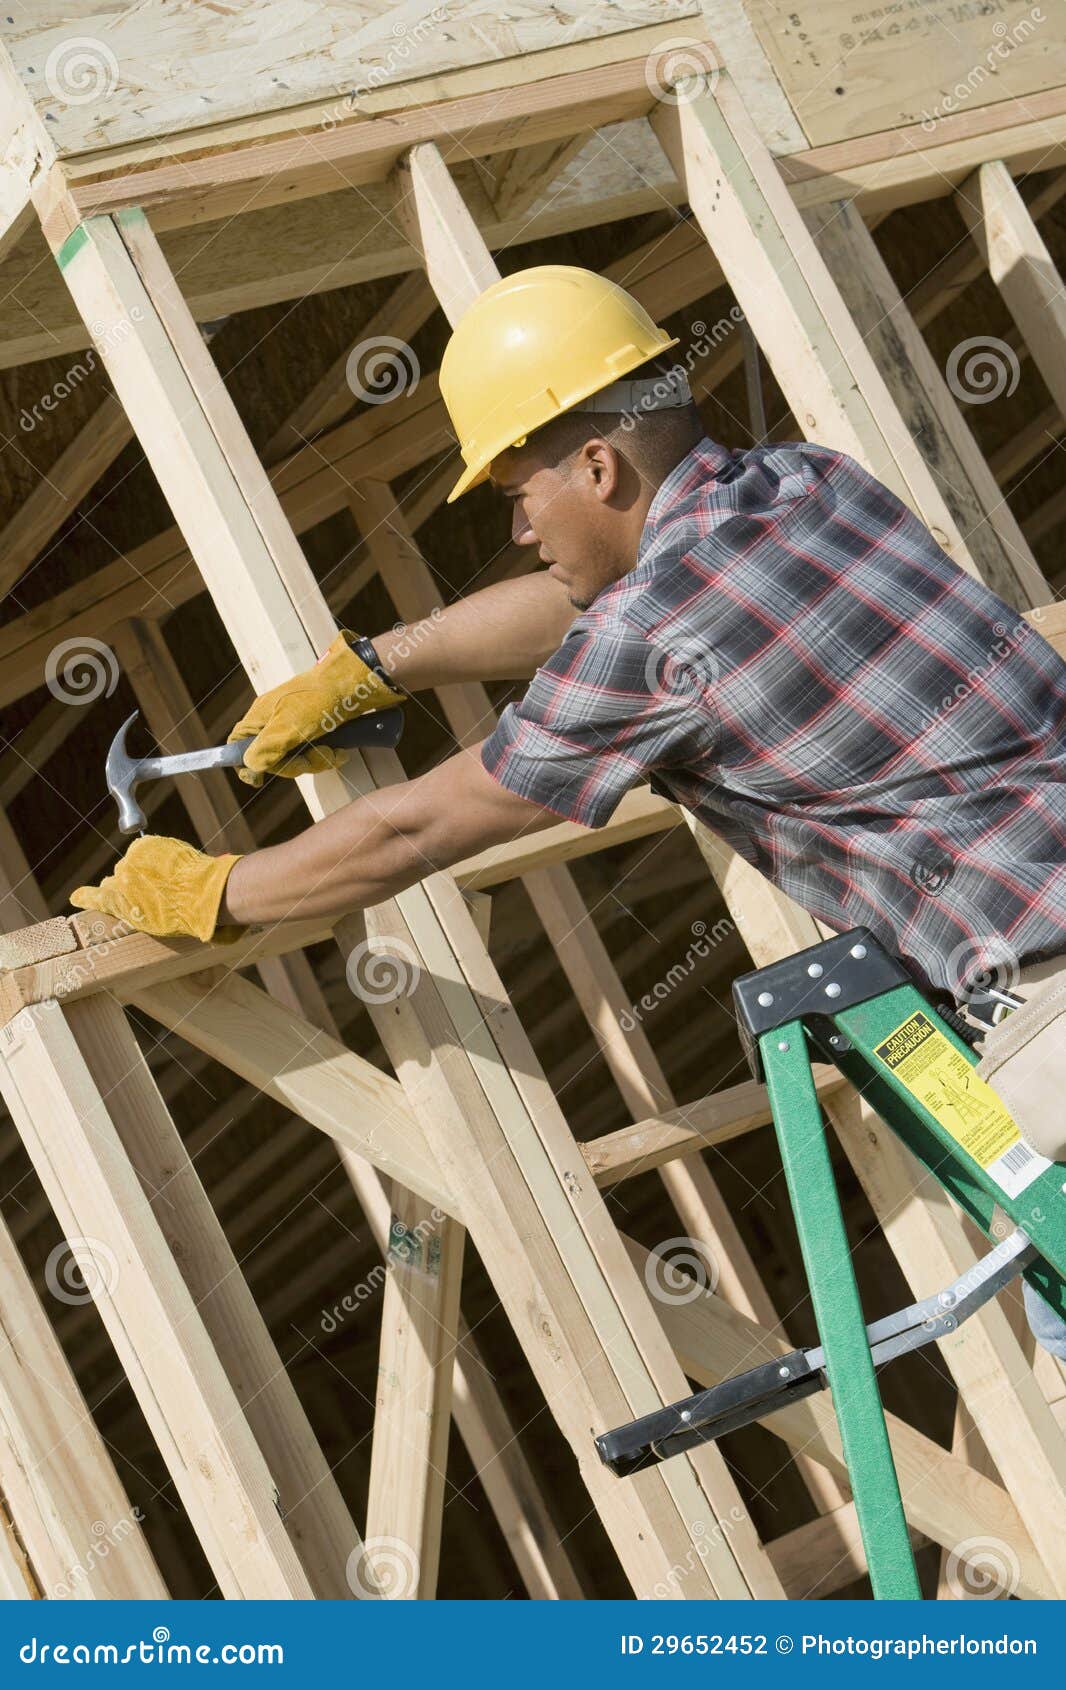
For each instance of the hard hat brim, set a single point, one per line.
(471, 477)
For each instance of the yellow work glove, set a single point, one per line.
(164, 887)
(339, 687)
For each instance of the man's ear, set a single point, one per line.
(604, 466)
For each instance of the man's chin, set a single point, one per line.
(579, 604)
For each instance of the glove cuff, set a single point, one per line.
(210, 883)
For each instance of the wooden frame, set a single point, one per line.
(468, 1139)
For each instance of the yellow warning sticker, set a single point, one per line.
(965, 1105)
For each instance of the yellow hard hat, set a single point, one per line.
(531, 346)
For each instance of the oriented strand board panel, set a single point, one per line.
(111, 75)
(853, 67)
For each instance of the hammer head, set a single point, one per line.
(123, 772)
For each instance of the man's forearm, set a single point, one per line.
(380, 844)
(501, 633)
(356, 857)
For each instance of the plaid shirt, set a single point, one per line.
(795, 660)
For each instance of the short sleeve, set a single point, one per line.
(595, 720)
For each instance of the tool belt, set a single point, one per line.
(1024, 1061)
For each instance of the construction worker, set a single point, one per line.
(769, 635)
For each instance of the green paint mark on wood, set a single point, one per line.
(72, 246)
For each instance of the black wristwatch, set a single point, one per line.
(364, 649)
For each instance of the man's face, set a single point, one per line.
(568, 513)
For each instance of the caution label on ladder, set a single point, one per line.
(965, 1105)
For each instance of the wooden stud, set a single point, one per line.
(1018, 261)
(151, 1318)
(927, 406)
(781, 282)
(56, 1472)
(419, 1316)
(310, 1072)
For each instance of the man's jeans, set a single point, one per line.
(1026, 1066)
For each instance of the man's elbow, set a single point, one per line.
(466, 810)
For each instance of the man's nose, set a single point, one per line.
(521, 532)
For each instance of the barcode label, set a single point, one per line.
(1017, 1168)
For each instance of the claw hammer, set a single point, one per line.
(125, 773)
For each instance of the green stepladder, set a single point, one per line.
(848, 1002)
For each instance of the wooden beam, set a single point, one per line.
(820, 1557)
(904, 166)
(20, 898)
(963, 264)
(198, 185)
(1040, 436)
(781, 282)
(18, 161)
(689, 1128)
(522, 176)
(310, 1072)
(413, 1398)
(61, 490)
(120, 963)
(18, 1583)
(927, 407)
(56, 1472)
(37, 742)
(236, 1024)
(156, 578)
(456, 261)
(492, 1444)
(152, 1320)
(1021, 266)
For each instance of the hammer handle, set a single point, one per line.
(377, 727)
